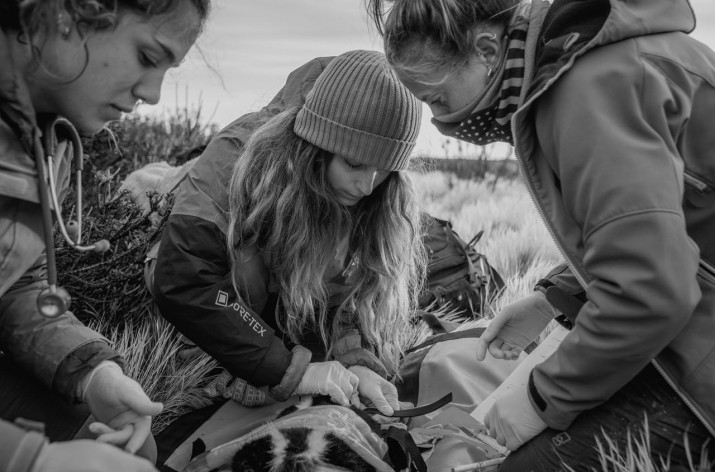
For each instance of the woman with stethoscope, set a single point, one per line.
(68, 66)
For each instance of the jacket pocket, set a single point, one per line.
(698, 191)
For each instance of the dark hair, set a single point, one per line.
(32, 16)
(436, 33)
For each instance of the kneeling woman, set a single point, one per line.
(294, 256)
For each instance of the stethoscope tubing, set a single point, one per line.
(54, 300)
(42, 190)
(53, 194)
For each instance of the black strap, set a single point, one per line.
(417, 411)
(566, 303)
(402, 450)
(466, 333)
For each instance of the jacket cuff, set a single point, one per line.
(19, 449)
(78, 364)
(541, 407)
(298, 364)
(348, 351)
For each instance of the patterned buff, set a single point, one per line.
(492, 123)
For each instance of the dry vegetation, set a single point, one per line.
(514, 240)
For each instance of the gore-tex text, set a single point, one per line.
(222, 300)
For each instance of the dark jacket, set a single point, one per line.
(616, 144)
(59, 351)
(192, 278)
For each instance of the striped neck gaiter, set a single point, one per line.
(492, 123)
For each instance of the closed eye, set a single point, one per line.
(353, 165)
(146, 60)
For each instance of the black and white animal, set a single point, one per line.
(302, 449)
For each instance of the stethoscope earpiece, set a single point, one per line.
(101, 246)
(73, 229)
(53, 301)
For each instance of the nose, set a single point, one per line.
(148, 89)
(365, 182)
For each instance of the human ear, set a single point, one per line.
(64, 24)
(487, 46)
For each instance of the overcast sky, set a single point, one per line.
(252, 45)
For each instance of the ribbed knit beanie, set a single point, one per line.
(359, 109)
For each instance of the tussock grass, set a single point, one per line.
(637, 456)
(515, 242)
(150, 348)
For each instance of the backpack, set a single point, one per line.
(458, 277)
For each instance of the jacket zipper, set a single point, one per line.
(581, 279)
(694, 181)
(677, 390)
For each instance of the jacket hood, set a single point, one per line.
(15, 104)
(615, 20)
(18, 130)
(573, 27)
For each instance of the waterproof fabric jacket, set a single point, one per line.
(60, 351)
(192, 283)
(616, 144)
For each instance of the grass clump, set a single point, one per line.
(637, 455)
(151, 348)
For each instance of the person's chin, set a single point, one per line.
(104, 116)
(91, 126)
(348, 202)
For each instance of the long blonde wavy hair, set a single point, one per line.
(281, 203)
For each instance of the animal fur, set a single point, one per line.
(301, 449)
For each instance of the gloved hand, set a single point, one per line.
(85, 455)
(120, 403)
(375, 390)
(332, 379)
(515, 327)
(512, 420)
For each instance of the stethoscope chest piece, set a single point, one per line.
(53, 301)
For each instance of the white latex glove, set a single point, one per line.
(85, 455)
(332, 379)
(376, 391)
(515, 327)
(120, 403)
(512, 420)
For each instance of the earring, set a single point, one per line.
(64, 28)
(489, 73)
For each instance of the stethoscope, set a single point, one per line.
(54, 300)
